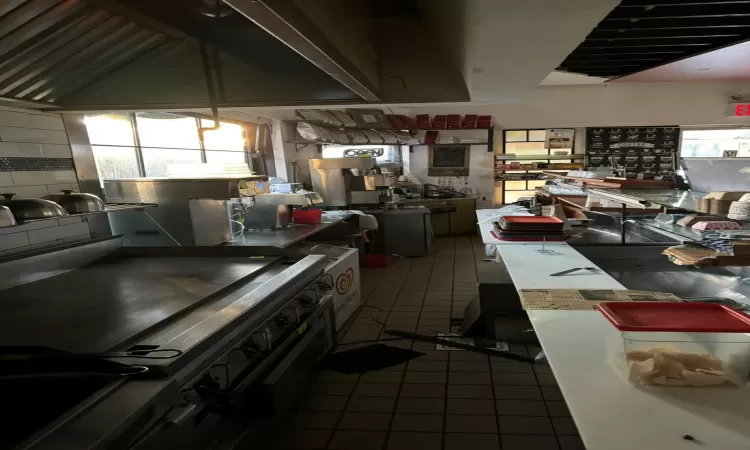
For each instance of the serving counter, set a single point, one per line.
(583, 350)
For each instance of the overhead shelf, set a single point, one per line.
(513, 157)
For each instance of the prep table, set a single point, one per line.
(242, 325)
(287, 236)
(582, 346)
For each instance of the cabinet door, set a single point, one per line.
(464, 220)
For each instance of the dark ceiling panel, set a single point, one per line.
(640, 34)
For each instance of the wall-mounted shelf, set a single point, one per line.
(511, 157)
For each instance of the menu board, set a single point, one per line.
(635, 152)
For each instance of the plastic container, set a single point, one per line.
(682, 344)
(306, 216)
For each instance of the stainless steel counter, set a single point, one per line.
(288, 236)
(96, 308)
(672, 198)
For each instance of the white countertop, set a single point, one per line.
(531, 269)
(613, 414)
(584, 349)
(484, 221)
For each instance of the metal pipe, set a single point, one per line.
(208, 71)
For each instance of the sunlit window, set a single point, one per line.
(712, 143)
(162, 139)
(225, 145)
(113, 144)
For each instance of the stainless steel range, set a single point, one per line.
(105, 346)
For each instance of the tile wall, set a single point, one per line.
(35, 159)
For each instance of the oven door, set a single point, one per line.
(261, 401)
(281, 391)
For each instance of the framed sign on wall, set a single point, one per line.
(648, 153)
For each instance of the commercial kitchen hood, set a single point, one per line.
(168, 54)
(100, 54)
(142, 54)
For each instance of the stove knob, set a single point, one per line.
(308, 302)
(261, 340)
(288, 316)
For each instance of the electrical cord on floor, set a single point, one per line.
(374, 319)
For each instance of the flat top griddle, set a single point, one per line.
(100, 306)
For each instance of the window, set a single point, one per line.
(145, 144)
(712, 143)
(167, 139)
(225, 145)
(113, 144)
(522, 143)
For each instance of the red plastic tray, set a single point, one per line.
(532, 219)
(675, 317)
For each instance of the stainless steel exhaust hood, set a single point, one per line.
(82, 55)
(105, 54)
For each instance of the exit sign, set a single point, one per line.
(738, 110)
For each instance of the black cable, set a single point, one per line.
(372, 341)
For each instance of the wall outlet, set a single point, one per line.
(729, 154)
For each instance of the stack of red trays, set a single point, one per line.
(529, 228)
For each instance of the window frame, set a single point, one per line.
(503, 188)
(138, 147)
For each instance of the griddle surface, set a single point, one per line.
(98, 307)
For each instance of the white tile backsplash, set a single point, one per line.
(25, 133)
(24, 149)
(27, 120)
(13, 134)
(56, 188)
(35, 178)
(65, 176)
(6, 179)
(56, 151)
(25, 191)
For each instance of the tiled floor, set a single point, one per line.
(444, 400)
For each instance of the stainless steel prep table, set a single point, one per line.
(287, 236)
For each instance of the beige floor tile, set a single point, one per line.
(366, 421)
(381, 376)
(371, 404)
(417, 422)
(413, 440)
(357, 440)
(458, 423)
(463, 441)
